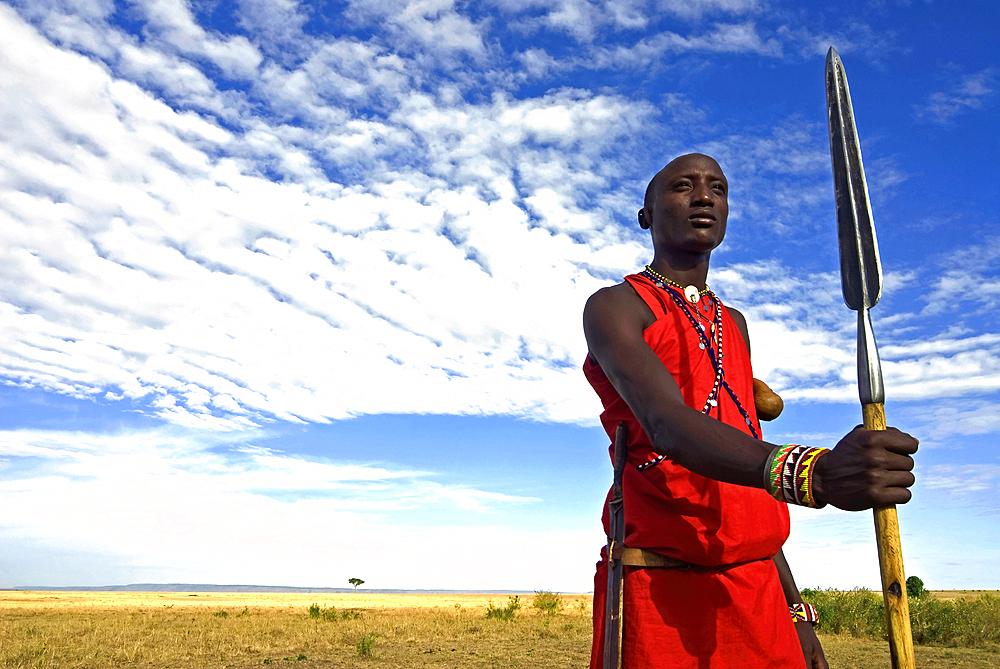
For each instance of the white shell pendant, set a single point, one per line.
(691, 293)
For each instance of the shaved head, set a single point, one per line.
(654, 183)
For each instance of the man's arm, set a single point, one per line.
(812, 650)
(864, 470)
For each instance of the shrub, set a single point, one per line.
(324, 612)
(971, 623)
(547, 602)
(915, 587)
(505, 612)
(366, 644)
(860, 612)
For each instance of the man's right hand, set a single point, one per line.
(868, 468)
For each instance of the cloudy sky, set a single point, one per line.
(291, 291)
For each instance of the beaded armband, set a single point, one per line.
(804, 613)
(789, 474)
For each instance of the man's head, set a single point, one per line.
(686, 206)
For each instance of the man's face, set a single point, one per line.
(690, 207)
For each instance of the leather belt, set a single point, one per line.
(642, 557)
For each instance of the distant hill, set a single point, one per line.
(202, 587)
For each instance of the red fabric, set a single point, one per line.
(734, 616)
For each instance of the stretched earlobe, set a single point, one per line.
(642, 219)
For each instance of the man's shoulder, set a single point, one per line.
(618, 304)
(737, 316)
(741, 324)
(614, 298)
(618, 291)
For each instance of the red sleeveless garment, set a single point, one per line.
(730, 610)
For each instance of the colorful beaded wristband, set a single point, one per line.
(789, 474)
(804, 613)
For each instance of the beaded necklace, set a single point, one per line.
(705, 344)
(690, 292)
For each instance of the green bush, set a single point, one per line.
(505, 612)
(547, 602)
(326, 613)
(366, 644)
(915, 587)
(970, 623)
(860, 613)
(973, 623)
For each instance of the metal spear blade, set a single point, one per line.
(860, 269)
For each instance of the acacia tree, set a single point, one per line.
(355, 582)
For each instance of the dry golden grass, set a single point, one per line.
(97, 630)
(146, 630)
(117, 600)
(950, 595)
(847, 652)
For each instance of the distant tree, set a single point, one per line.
(915, 587)
(357, 581)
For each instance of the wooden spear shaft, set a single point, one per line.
(890, 562)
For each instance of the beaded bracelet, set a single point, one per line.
(789, 474)
(804, 613)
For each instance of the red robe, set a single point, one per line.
(729, 611)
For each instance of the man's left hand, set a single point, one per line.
(811, 648)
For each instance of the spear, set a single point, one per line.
(614, 605)
(861, 278)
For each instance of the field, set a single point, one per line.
(201, 630)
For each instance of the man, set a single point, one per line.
(671, 362)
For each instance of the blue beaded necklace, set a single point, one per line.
(705, 343)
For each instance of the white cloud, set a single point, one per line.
(317, 220)
(969, 480)
(849, 39)
(155, 504)
(433, 26)
(538, 64)
(948, 418)
(581, 19)
(161, 270)
(971, 91)
(276, 27)
(170, 24)
(357, 263)
(697, 8)
(804, 340)
(585, 19)
(723, 38)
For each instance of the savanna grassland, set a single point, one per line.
(202, 630)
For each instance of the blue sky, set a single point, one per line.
(291, 292)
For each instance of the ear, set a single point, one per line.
(643, 223)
